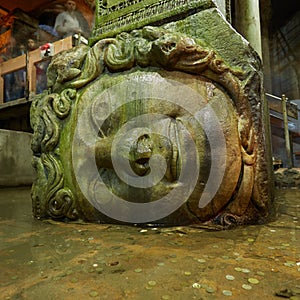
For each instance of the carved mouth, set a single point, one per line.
(143, 162)
(141, 165)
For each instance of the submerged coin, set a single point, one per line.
(230, 277)
(253, 280)
(138, 270)
(289, 264)
(260, 273)
(152, 283)
(210, 290)
(93, 294)
(246, 287)
(227, 293)
(245, 270)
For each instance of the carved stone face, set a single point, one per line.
(155, 126)
(142, 148)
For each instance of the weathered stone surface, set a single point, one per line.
(116, 16)
(15, 160)
(287, 178)
(161, 125)
(165, 134)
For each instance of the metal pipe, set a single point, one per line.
(273, 96)
(286, 132)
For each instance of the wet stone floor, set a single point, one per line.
(53, 260)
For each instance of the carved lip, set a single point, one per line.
(141, 163)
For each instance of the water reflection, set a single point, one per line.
(51, 260)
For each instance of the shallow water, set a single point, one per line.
(53, 260)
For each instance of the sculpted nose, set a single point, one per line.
(143, 147)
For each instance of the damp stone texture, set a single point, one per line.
(160, 120)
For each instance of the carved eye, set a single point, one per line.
(168, 46)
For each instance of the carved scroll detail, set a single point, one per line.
(50, 196)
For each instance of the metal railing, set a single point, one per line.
(286, 108)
